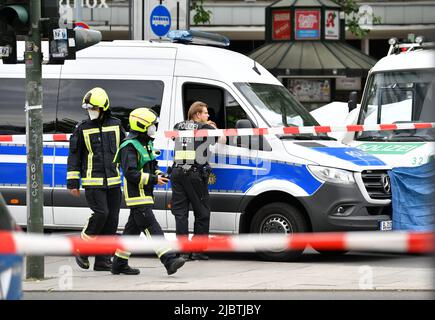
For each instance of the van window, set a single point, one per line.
(124, 96)
(399, 96)
(13, 100)
(211, 95)
(223, 109)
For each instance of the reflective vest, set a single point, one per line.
(140, 169)
(189, 150)
(92, 148)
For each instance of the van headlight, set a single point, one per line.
(332, 174)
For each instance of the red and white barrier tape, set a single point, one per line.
(396, 241)
(59, 137)
(248, 131)
(296, 130)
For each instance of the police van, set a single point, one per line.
(400, 88)
(276, 183)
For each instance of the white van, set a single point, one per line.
(400, 88)
(291, 183)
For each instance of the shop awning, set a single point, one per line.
(313, 58)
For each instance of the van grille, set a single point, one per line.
(377, 184)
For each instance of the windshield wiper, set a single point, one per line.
(410, 138)
(305, 137)
(372, 138)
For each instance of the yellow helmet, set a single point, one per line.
(96, 97)
(142, 118)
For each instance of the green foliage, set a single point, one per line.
(351, 10)
(201, 16)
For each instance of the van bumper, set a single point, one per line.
(356, 212)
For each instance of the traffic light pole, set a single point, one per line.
(33, 108)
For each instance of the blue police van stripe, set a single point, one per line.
(21, 150)
(233, 174)
(15, 174)
(353, 155)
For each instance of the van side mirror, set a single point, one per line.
(251, 142)
(352, 103)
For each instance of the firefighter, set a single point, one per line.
(190, 174)
(92, 148)
(141, 172)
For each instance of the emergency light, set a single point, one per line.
(198, 37)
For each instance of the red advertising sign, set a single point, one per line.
(307, 24)
(281, 25)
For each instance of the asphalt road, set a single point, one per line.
(355, 275)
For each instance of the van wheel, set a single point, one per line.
(279, 217)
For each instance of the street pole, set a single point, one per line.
(33, 108)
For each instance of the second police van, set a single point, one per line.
(277, 183)
(400, 89)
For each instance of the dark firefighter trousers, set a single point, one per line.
(142, 219)
(190, 187)
(105, 204)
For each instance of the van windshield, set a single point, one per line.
(276, 105)
(399, 97)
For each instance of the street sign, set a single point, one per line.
(160, 21)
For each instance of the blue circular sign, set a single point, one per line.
(160, 21)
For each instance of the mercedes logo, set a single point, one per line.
(386, 184)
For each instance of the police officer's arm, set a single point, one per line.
(74, 163)
(211, 126)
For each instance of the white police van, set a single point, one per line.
(400, 88)
(288, 183)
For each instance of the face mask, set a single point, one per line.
(93, 114)
(151, 131)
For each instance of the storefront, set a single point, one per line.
(305, 49)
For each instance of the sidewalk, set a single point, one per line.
(353, 271)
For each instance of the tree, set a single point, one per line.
(353, 16)
(201, 16)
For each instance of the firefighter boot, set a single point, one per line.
(120, 265)
(173, 265)
(102, 263)
(82, 261)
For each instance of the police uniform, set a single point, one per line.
(92, 148)
(189, 179)
(139, 165)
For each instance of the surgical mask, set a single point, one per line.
(151, 131)
(93, 114)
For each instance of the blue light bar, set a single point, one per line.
(198, 37)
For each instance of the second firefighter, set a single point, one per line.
(141, 173)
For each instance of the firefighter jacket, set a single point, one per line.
(139, 165)
(92, 148)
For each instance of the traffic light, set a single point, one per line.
(8, 47)
(16, 15)
(64, 43)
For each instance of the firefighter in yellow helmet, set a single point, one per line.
(141, 173)
(92, 148)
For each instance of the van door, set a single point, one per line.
(234, 163)
(13, 157)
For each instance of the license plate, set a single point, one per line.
(386, 225)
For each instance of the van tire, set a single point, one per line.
(279, 217)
